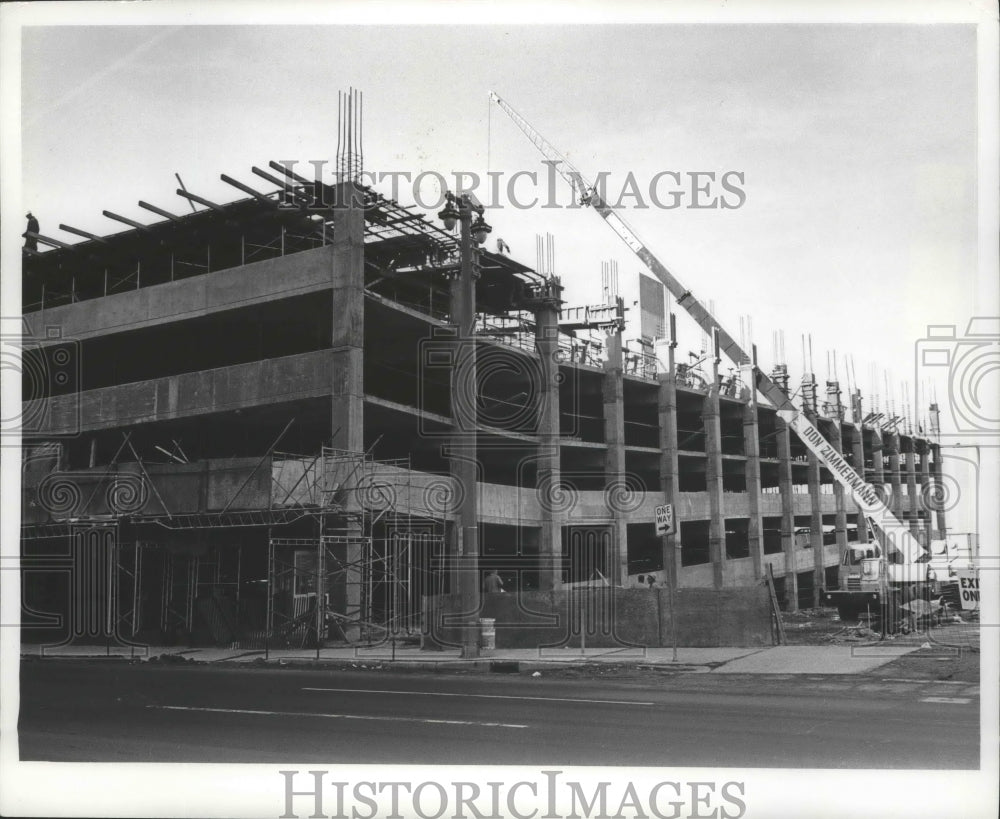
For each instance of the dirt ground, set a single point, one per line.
(947, 651)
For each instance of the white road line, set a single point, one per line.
(948, 700)
(925, 681)
(338, 716)
(478, 696)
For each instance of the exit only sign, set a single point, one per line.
(968, 588)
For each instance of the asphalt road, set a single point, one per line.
(111, 712)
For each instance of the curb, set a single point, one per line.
(481, 665)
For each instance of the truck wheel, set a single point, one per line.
(847, 614)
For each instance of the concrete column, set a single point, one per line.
(913, 501)
(783, 435)
(816, 522)
(927, 491)
(347, 361)
(839, 497)
(669, 464)
(935, 452)
(548, 471)
(751, 446)
(713, 479)
(464, 438)
(614, 459)
(876, 477)
(891, 444)
(347, 343)
(858, 451)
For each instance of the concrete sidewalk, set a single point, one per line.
(832, 659)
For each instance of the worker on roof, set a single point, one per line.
(30, 242)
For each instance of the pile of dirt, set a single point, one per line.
(811, 627)
(823, 626)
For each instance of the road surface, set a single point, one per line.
(117, 711)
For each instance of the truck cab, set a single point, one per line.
(862, 567)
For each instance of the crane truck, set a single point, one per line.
(878, 576)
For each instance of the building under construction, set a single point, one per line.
(243, 427)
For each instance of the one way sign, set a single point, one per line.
(665, 519)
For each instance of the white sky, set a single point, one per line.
(858, 144)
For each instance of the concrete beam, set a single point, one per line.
(282, 380)
(232, 288)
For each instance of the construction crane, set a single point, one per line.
(897, 535)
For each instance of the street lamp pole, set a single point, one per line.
(473, 230)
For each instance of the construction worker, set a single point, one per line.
(30, 242)
(492, 582)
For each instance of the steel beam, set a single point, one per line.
(272, 179)
(277, 166)
(125, 220)
(159, 211)
(85, 234)
(46, 240)
(200, 200)
(247, 189)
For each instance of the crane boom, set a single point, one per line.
(864, 494)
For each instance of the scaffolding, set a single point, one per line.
(352, 546)
(189, 582)
(362, 576)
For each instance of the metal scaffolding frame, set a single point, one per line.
(373, 556)
(362, 576)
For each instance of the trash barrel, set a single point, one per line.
(487, 633)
